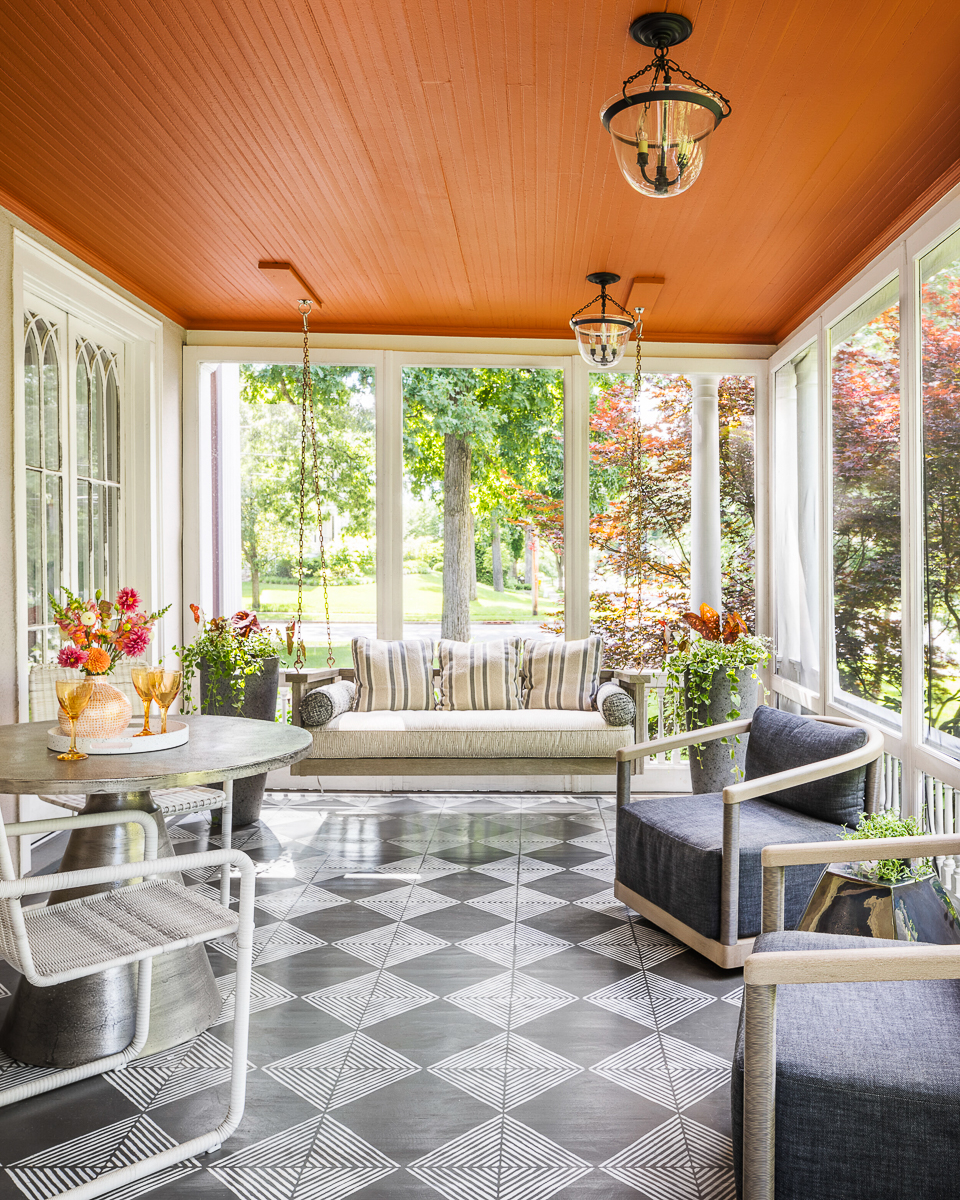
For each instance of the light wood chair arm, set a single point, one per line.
(888, 963)
(766, 785)
(793, 854)
(692, 737)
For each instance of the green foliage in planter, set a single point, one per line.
(231, 649)
(888, 825)
(690, 670)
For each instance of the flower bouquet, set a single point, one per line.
(98, 634)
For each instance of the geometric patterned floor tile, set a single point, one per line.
(391, 944)
(170, 1075)
(592, 841)
(516, 903)
(422, 866)
(674, 1073)
(735, 997)
(406, 902)
(499, 1160)
(606, 902)
(511, 1000)
(679, 1160)
(272, 942)
(298, 901)
(514, 945)
(341, 1071)
(430, 841)
(636, 945)
(506, 1071)
(369, 999)
(68, 1164)
(264, 993)
(650, 999)
(600, 868)
(522, 842)
(518, 869)
(319, 1159)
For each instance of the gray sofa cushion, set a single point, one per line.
(616, 704)
(324, 703)
(780, 740)
(868, 1085)
(669, 852)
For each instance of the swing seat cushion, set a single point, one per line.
(471, 733)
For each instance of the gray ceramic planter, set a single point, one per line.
(259, 704)
(711, 767)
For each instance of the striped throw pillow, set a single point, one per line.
(480, 675)
(396, 676)
(561, 674)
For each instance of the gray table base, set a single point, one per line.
(76, 1022)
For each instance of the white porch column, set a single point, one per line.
(705, 494)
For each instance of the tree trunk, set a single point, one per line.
(528, 557)
(458, 548)
(473, 555)
(495, 553)
(254, 587)
(559, 558)
(535, 572)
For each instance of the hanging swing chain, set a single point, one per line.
(308, 433)
(635, 509)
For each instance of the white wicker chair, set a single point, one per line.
(172, 802)
(134, 924)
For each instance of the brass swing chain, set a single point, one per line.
(308, 433)
(635, 503)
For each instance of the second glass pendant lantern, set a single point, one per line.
(603, 332)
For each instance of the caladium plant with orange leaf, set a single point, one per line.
(707, 624)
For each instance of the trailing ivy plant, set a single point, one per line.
(692, 663)
(888, 825)
(230, 650)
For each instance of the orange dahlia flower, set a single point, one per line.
(98, 661)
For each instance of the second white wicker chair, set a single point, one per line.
(172, 802)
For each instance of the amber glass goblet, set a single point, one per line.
(165, 685)
(74, 696)
(140, 674)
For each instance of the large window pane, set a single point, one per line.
(795, 477)
(865, 391)
(483, 501)
(940, 331)
(270, 432)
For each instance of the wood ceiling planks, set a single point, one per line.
(436, 168)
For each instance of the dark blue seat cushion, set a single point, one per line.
(780, 740)
(868, 1085)
(669, 852)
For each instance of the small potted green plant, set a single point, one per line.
(712, 678)
(236, 662)
(898, 898)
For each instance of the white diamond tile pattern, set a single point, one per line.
(272, 942)
(514, 945)
(506, 1071)
(679, 1160)
(599, 868)
(500, 1160)
(605, 902)
(516, 903)
(650, 999)
(341, 1071)
(735, 997)
(264, 993)
(391, 944)
(369, 999)
(407, 902)
(666, 1071)
(426, 866)
(435, 842)
(298, 901)
(521, 842)
(518, 868)
(599, 841)
(636, 945)
(170, 1075)
(511, 1000)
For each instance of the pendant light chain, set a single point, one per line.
(308, 440)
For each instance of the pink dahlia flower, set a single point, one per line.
(72, 656)
(136, 641)
(128, 599)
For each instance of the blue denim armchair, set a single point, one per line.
(691, 864)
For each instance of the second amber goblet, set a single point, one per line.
(140, 674)
(74, 696)
(165, 685)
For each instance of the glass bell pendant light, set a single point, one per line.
(602, 335)
(660, 128)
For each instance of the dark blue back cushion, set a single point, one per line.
(780, 740)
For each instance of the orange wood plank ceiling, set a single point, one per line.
(440, 168)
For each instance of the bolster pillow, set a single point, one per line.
(616, 705)
(324, 703)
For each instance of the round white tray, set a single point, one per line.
(177, 733)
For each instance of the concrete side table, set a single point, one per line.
(75, 1022)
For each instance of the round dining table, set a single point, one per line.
(83, 1019)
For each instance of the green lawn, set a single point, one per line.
(422, 601)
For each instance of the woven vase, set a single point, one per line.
(107, 714)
